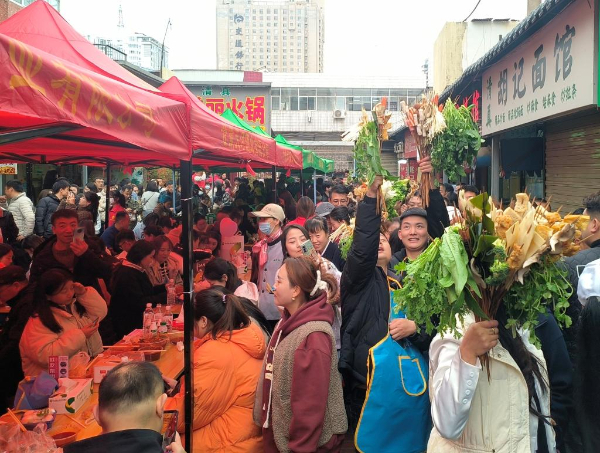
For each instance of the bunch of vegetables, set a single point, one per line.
(393, 192)
(425, 122)
(494, 257)
(458, 143)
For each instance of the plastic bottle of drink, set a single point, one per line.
(171, 295)
(153, 329)
(162, 329)
(147, 320)
(168, 317)
(158, 314)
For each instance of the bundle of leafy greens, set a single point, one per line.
(397, 191)
(345, 244)
(438, 284)
(458, 143)
(367, 154)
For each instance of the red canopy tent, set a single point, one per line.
(42, 27)
(51, 107)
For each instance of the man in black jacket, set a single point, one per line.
(590, 242)
(130, 410)
(64, 252)
(47, 206)
(365, 300)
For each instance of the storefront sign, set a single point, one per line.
(550, 73)
(251, 104)
(8, 169)
(409, 169)
(410, 146)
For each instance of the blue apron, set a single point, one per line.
(395, 417)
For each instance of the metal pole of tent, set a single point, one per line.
(274, 177)
(29, 180)
(174, 191)
(301, 183)
(315, 185)
(107, 188)
(188, 306)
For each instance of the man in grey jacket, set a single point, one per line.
(21, 208)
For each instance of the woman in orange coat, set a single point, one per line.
(227, 364)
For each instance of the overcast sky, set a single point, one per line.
(386, 37)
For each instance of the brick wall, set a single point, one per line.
(7, 9)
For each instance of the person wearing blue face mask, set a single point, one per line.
(267, 257)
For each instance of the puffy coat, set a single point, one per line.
(365, 296)
(38, 342)
(23, 212)
(45, 208)
(226, 373)
(474, 414)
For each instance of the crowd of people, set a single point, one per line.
(281, 360)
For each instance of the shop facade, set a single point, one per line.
(539, 99)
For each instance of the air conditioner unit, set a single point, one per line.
(339, 113)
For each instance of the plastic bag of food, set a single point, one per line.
(78, 364)
(12, 439)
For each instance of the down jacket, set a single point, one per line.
(226, 373)
(38, 342)
(43, 214)
(23, 212)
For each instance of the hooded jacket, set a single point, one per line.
(226, 371)
(43, 213)
(38, 342)
(299, 402)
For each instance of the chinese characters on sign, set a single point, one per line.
(518, 88)
(238, 23)
(251, 109)
(65, 85)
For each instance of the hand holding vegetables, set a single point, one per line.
(479, 338)
(373, 189)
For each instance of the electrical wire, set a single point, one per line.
(478, 2)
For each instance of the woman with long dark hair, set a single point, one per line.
(507, 410)
(300, 403)
(65, 321)
(227, 363)
(131, 289)
(118, 204)
(166, 264)
(288, 203)
(220, 272)
(305, 209)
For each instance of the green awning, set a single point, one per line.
(309, 159)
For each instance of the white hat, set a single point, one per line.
(271, 210)
(589, 282)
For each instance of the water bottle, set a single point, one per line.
(158, 314)
(171, 295)
(168, 318)
(153, 330)
(147, 320)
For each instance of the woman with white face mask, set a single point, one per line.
(267, 257)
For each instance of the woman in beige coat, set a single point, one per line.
(65, 321)
(474, 413)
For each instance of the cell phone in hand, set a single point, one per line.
(170, 421)
(79, 233)
(308, 250)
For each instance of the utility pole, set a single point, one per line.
(425, 69)
(162, 53)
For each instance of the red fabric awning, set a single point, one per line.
(40, 89)
(41, 26)
(217, 137)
